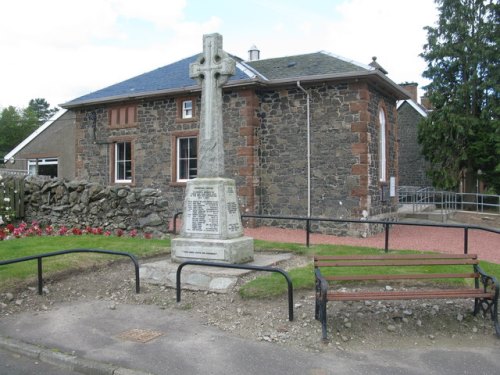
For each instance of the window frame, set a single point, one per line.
(115, 161)
(181, 117)
(34, 162)
(176, 137)
(187, 113)
(382, 145)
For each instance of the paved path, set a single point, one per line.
(402, 237)
(91, 333)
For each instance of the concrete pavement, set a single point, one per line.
(89, 337)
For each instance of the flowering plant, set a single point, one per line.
(24, 230)
(6, 212)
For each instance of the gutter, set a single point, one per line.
(394, 88)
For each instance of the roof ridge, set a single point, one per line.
(249, 71)
(350, 61)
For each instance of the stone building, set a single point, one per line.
(143, 132)
(412, 164)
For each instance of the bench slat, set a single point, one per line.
(409, 295)
(384, 263)
(402, 277)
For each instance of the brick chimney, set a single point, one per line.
(426, 103)
(411, 88)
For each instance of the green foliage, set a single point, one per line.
(17, 248)
(273, 285)
(40, 109)
(462, 133)
(16, 124)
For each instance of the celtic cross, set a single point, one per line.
(212, 70)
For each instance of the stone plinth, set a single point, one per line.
(233, 251)
(211, 228)
(213, 279)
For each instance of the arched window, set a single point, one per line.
(382, 147)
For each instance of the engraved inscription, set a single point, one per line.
(214, 253)
(203, 210)
(233, 214)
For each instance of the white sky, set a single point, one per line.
(62, 49)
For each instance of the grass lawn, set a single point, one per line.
(262, 287)
(26, 246)
(303, 278)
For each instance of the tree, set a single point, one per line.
(17, 124)
(461, 136)
(10, 127)
(41, 109)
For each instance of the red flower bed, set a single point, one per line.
(24, 230)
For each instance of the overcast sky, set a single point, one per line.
(62, 49)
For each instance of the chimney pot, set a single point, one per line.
(253, 53)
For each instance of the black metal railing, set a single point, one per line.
(385, 224)
(39, 258)
(238, 266)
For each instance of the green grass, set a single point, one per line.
(303, 278)
(262, 287)
(17, 248)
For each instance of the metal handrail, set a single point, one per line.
(39, 258)
(386, 225)
(449, 201)
(237, 266)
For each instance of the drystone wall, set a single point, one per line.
(81, 204)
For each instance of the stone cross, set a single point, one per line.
(212, 70)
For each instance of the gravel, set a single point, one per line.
(351, 325)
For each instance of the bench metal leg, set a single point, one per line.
(321, 307)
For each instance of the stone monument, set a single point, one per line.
(211, 221)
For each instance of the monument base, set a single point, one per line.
(232, 251)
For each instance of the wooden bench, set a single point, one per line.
(485, 291)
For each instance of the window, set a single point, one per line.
(187, 109)
(123, 162)
(187, 158)
(123, 116)
(43, 167)
(382, 147)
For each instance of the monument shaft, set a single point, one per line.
(212, 71)
(211, 228)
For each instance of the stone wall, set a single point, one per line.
(80, 204)
(412, 165)
(344, 153)
(153, 137)
(265, 143)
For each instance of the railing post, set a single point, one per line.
(466, 240)
(237, 266)
(308, 231)
(40, 279)
(174, 224)
(386, 247)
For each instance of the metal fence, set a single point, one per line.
(386, 225)
(447, 201)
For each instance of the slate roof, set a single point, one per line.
(319, 63)
(417, 107)
(174, 78)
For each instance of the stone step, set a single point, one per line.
(213, 279)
